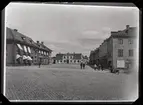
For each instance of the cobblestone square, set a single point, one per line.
(68, 82)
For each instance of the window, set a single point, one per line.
(23, 38)
(71, 60)
(130, 53)
(130, 41)
(120, 52)
(120, 41)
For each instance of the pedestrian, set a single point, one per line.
(81, 65)
(101, 67)
(40, 62)
(95, 67)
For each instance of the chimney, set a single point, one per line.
(127, 27)
(37, 41)
(15, 30)
(42, 42)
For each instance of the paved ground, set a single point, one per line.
(68, 82)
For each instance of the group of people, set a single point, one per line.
(82, 64)
(99, 67)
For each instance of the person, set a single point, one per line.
(95, 67)
(99, 66)
(40, 62)
(81, 64)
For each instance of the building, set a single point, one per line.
(68, 58)
(117, 51)
(22, 50)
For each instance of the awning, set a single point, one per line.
(29, 50)
(19, 46)
(17, 56)
(24, 57)
(29, 58)
(25, 49)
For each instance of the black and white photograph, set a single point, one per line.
(71, 53)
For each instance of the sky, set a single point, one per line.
(69, 28)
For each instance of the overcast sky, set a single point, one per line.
(69, 28)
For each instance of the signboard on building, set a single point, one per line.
(120, 64)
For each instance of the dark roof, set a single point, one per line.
(9, 34)
(18, 37)
(43, 47)
(125, 33)
(59, 56)
(46, 48)
(75, 55)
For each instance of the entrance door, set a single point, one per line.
(67, 61)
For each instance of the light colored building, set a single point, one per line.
(69, 58)
(119, 50)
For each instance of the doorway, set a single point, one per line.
(67, 61)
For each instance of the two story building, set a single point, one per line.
(68, 58)
(21, 50)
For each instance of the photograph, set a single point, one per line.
(57, 52)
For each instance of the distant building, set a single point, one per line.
(21, 50)
(118, 51)
(68, 58)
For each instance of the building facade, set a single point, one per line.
(117, 51)
(22, 50)
(69, 58)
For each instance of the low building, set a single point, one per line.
(117, 51)
(68, 58)
(22, 50)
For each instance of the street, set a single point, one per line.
(68, 82)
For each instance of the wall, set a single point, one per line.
(125, 46)
(9, 54)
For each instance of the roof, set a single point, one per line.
(131, 32)
(75, 55)
(9, 34)
(18, 37)
(59, 56)
(46, 48)
(43, 47)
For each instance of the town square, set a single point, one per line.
(59, 52)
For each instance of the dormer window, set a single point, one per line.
(23, 38)
(31, 41)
